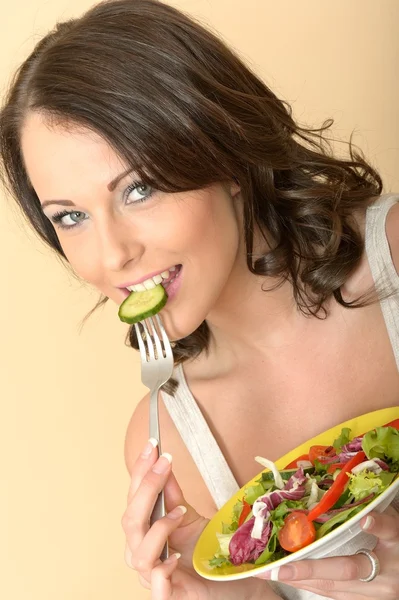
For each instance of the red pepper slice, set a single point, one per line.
(335, 491)
(246, 509)
(294, 463)
(394, 424)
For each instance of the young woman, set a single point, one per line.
(136, 142)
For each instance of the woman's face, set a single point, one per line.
(118, 234)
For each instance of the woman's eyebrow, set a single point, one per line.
(111, 186)
(62, 202)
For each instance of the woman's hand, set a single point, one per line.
(338, 577)
(175, 578)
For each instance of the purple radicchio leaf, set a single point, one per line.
(381, 464)
(244, 548)
(354, 445)
(294, 489)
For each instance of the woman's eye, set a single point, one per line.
(69, 219)
(138, 192)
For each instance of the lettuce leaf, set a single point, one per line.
(383, 442)
(233, 526)
(219, 561)
(365, 483)
(337, 520)
(270, 548)
(253, 492)
(343, 439)
(224, 541)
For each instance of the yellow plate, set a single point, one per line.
(208, 545)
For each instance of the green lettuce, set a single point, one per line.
(253, 492)
(337, 520)
(343, 439)
(233, 526)
(219, 561)
(365, 483)
(224, 541)
(383, 442)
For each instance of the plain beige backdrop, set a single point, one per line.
(66, 395)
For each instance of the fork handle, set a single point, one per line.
(158, 513)
(159, 507)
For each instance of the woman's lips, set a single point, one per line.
(174, 284)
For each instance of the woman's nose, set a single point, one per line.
(118, 243)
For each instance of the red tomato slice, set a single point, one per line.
(321, 452)
(334, 466)
(297, 532)
(294, 463)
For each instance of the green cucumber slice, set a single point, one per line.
(141, 305)
(286, 474)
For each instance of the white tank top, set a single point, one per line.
(199, 439)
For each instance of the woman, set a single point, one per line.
(137, 143)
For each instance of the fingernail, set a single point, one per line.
(172, 558)
(282, 573)
(177, 512)
(162, 463)
(149, 447)
(369, 523)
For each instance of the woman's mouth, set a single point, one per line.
(165, 278)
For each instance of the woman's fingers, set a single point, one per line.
(144, 578)
(173, 493)
(339, 568)
(135, 520)
(153, 543)
(161, 586)
(384, 525)
(174, 497)
(143, 463)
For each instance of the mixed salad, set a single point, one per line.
(287, 510)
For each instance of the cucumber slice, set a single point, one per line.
(141, 305)
(286, 474)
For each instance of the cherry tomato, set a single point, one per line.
(321, 452)
(297, 532)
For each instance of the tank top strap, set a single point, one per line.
(199, 440)
(383, 270)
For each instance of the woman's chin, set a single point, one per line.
(178, 327)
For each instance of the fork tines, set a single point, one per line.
(152, 338)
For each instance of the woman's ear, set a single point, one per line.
(234, 188)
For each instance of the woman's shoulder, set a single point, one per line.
(137, 432)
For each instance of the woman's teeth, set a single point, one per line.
(150, 283)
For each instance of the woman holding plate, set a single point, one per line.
(137, 143)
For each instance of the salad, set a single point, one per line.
(289, 509)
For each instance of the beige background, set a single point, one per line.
(66, 396)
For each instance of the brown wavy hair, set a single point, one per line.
(184, 112)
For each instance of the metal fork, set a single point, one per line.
(156, 368)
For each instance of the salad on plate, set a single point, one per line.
(287, 510)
